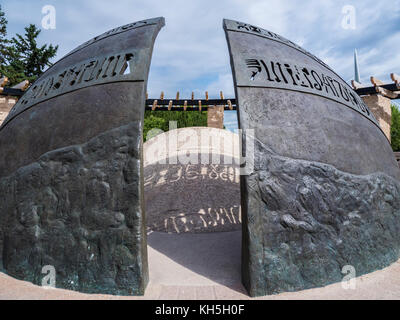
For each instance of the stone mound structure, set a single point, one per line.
(192, 181)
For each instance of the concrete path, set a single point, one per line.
(207, 266)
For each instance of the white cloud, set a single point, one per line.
(223, 83)
(191, 53)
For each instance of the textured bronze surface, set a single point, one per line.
(281, 68)
(71, 168)
(325, 189)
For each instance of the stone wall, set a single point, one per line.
(6, 103)
(381, 108)
(215, 117)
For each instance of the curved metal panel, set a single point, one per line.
(71, 168)
(325, 188)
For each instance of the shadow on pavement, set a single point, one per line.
(215, 256)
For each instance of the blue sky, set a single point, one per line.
(191, 54)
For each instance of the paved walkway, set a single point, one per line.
(207, 266)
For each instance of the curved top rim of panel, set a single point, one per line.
(347, 97)
(52, 83)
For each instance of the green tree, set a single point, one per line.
(26, 60)
(10, 65)
(21, 58)
(395, 129)
(3, 34)
(13, 68)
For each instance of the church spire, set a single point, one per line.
(356, 68)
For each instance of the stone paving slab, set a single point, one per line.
(195, 283)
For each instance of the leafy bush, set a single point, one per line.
(161, 119)
(152, 122)
(395, 129)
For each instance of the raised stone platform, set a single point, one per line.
(202, 195)
(211, 274)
